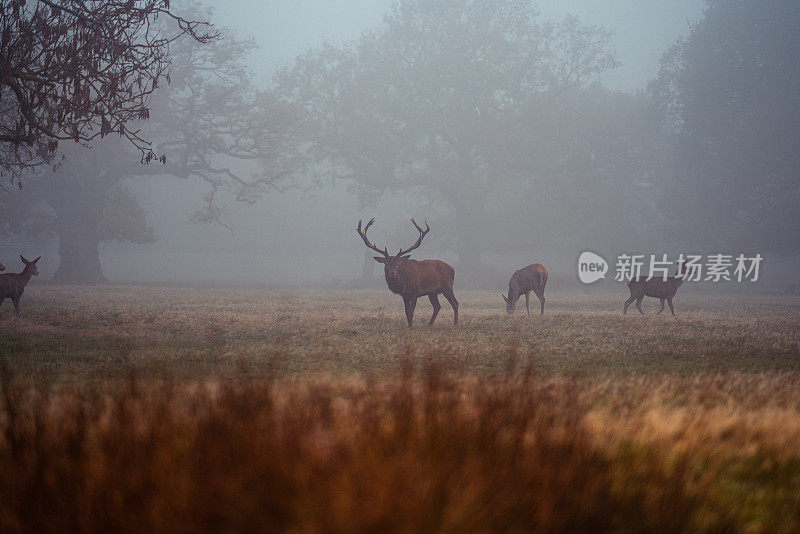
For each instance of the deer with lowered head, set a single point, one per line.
(530, 278)
(660, 288)
(13, 284)
(412, 279)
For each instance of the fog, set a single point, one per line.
(642, 30)
(594, 160)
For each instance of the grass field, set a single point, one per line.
(132, 408)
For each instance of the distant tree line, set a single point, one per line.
(730, 92)
(492, 117)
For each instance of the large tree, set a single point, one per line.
(442, 100)
(77, 70)
(731, 90)
(83, 204)
(598, 161)
(210, 121)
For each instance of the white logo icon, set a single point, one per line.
(591, 267)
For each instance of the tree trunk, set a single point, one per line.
(78, 214)
(80, 257)
(77, 200)
(470, 205)
(469, 239)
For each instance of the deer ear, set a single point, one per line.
(37, 259)
(379, 259)
(504, 297)
(404, 258)
(26, 262)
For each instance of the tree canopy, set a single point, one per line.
(211, 122)
(76, 70)
(443, 100)
(731, 92)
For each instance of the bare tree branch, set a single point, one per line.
(75, 70)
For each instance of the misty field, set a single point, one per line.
(155, 409)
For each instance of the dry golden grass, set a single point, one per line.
(89, 333)
(145, 409)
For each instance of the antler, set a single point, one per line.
(422, 234)
(363, 235)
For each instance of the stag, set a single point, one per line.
(530, 278)
(660, 288)
(412, 279)
(13, 284)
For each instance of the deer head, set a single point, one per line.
(392, 264)
(511, 300)
(30, 265)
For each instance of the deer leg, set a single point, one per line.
(451, 298)
(436, 307)
(669, 301)
(628, 303)
(410, 303)
(528, 301)
(541, 300)
(16, 305)
(639, 304)
(662, 307)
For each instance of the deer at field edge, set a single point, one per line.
(660, 288)
(530, 278)
(13, 284)
(412, 279)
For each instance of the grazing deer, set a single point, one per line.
(412, 279)
(12, 284)
(660, 288)
(530, 278)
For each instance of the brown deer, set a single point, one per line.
(13, 284)
(530, 278)
(660, 288)
(412, 279)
